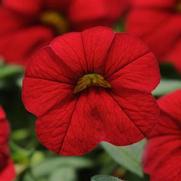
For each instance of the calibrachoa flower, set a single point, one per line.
(163, 152)
(7, 172)
(27, 25)
(90, 87)
(158, 23)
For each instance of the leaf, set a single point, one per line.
(127, 156)
(49, 165)
(10, 70)
(65, 174)
(104, 178)
(167, 86)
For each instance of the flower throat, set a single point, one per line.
(90, 80)
(55, 20)
(178, 6)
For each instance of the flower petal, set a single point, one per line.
(25, 42)
(70, 50)
(29, 7)
(153, 3)
(46, 93)
(174, 55)
(143, 74)
(140, 108)
(134, 68)
(171, 104)
(162, 27)
(8, 173)
(4, 129)
(84, 52)
(97, 43)
(79, 126)
(10, 21)
(96, 12)
(162, 149)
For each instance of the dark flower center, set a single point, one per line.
(55, 20)
(178, 6)
(90, 80)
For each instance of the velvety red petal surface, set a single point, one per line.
(72, 124)
(161, 27)
(86, 121)
(28, 7)
(162, 155)
(95, 12)
(4, 127)
(162, 150)
(7, 171)
(11, 21)
(174, 56)
(57, 4)
(171, 104)
(153, 3)
(133, 67)
(25, 41)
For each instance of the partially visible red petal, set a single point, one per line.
(61, 5)
(79, 126)
(2, 114)
(95, 12)
(23, 43)
(8, 173)
(28, 7)
(137, 21)
(174, 56)
(153, 3)
(171, 104)
(162, 27)
(10, 21)
(4, 129)
(172, 166)
(158, 153)
(162, 149)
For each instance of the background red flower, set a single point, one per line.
(158, 23)
(73, 124)
(27, 25)
(162, 158)
(7, 172)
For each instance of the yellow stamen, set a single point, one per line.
(55, 20)
(90, 80)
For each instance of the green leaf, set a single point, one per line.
(104, 178)
(167, 86)
(49, 165)
(10, 70)
(127, 156)
(65, 174)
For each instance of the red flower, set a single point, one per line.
(163, 154)
(158, 23)
(7, 172)
(27, 25)
(90, 87)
